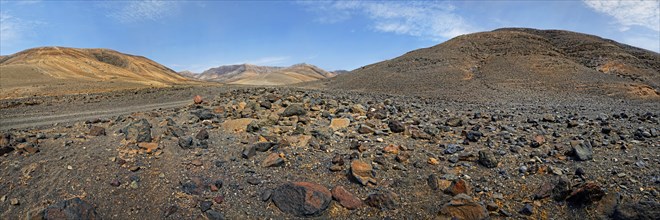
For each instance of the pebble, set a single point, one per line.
(205, 205)
(528, 209)
(14, 201)
(361, 171)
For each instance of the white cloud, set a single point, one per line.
(14, 30)
(630, 12)
(274, 60)
(136, 11)
(429, 19)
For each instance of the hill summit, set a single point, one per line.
(514, 63)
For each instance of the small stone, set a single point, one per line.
(253, 181)
(345, 198)
(69, 167)
(186, 142)
(453, 148)
(336, 168)
(403, 157)
(487, 159)
(382, 200)
(549, 118)
(134, 185)
(219, 199)
(294, 109)
(97, 131)
(149, 147)
(337, 159)
(458, 186)
(273, 160)
(249, 152)
(171, 210)
(205, 205)
(134, 168)
(396, 126)
(115, 183)
(528, 209)
(365, 129)
(391, 149)
(362, 172)
(462, 206)
(302, 199)
(432, 181)
(197, 99)
(14, 201)
(433, 161)
(582, 150)
(491, 206)
(202, 135)
(339, 123)
(196, 162)
(454, 122)
(214, 215)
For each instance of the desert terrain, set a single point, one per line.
(508, 124)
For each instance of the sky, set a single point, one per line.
(334, 35)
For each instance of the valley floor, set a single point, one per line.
(260, 153)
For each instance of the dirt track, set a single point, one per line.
(19, 121)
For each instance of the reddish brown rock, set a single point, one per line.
(302, 199)
(463, 207)
(149, 147)
(198, 99)
(586, 194)
(458, 186)
(361, 171)
(382, 200)
(345, 198)
(391, 149)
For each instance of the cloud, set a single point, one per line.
(137, 11)
(14, 30)
(428, 19)
(274, 60)
(629, 12)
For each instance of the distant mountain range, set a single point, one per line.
(248, 74)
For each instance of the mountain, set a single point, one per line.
(514, 63)
(187, 74)
(339, 72)
(61, 70)
(247, 74)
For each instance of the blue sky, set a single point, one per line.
(197, 35)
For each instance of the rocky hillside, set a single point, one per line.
(60, 70)
(515, 63)
(248, 74)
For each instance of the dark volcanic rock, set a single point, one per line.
(294, 109)
(302, 199)
(454, 122)
(396, 126)
(249, 152)
(273, 160)
(582, 150)
(138, 131)
(186, 142)
(586, 194)
(202, 135)
(487, 158)
(382, 200)
(75, 208)
(204, 114)
(462, 206)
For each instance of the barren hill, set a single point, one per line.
(247, 74)
(514, 63)
(59, 70)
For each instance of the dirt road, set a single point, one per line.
(25, 120)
